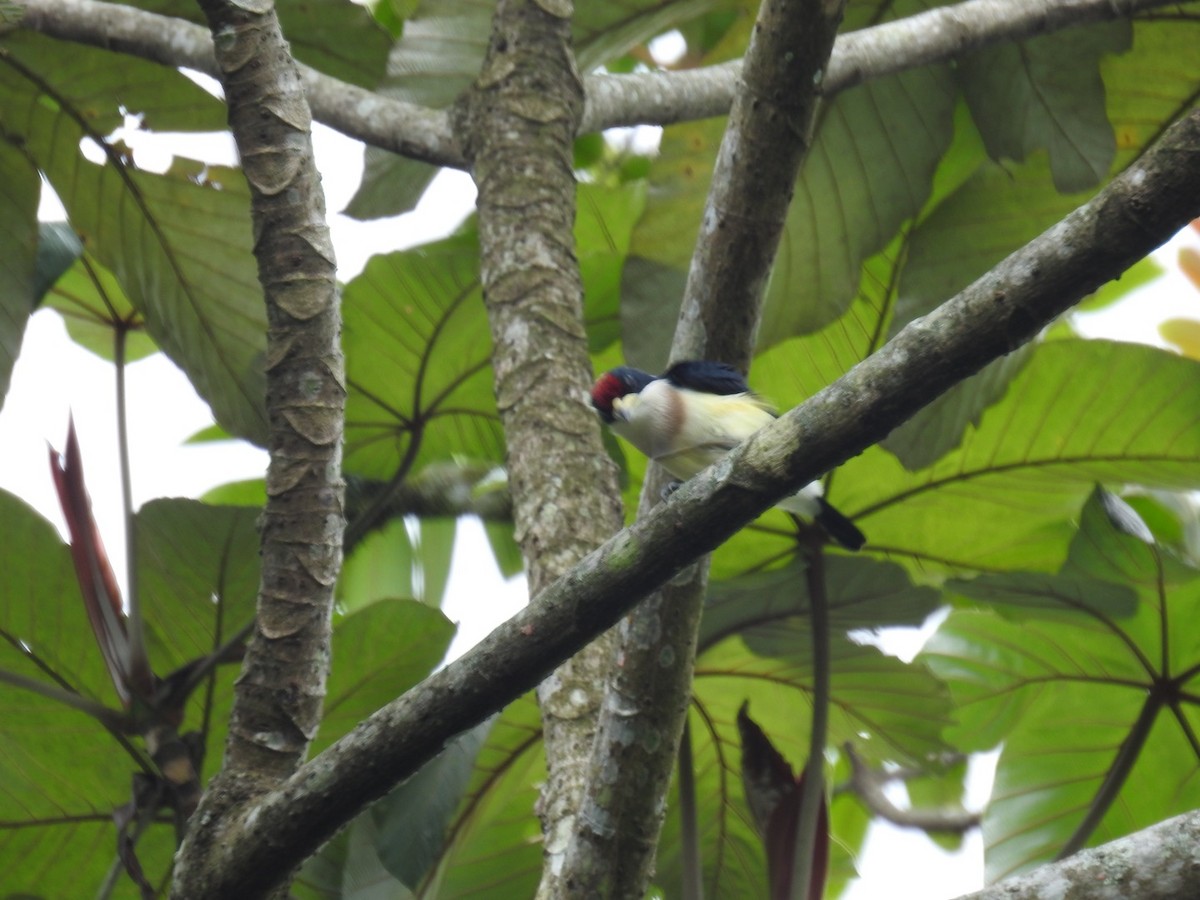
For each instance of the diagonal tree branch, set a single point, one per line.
(658, 98)
(1161, 862)
(1142, 208)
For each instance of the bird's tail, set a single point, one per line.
(840, 528)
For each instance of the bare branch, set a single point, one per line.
(1159, 863)
(1141, 209)
(868, 784)
(657, 98)
(938, 35)
(404, 128)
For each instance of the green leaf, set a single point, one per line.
(494, 847)
(418, 362)
(61, 772)
(440, 54)
(18, 254)
(508, 556)
(95, 309)
(891, 710)
(604, 223)
(857, 186)
(380, 567)
(651, 292)
(861, 593)
(386, 564)
(938, 428)
(437, 538)
(198, 576)
(348, 868)
(178, 243)
(58, 248)
(384, 649)
(1153, 85)
(238, 493)
(1032, 461)
(391, 185)
(1092, 710)
(860, 182)
(1046, 93)
(413, 818)
(1065, 592)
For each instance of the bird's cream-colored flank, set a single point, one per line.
(686, 431)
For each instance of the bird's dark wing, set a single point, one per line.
(707, 377)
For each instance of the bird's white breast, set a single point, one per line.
(684, 430)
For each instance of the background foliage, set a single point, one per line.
(998, 501)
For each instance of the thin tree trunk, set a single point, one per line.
(278, 697)
(518, 131)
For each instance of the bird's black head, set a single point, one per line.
(617, 383)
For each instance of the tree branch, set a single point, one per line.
(868, 784)
(657, 98)
(1137, 212)
(279, 693)
(938, 35)
(517, 128)
(404, 128)
(641, 722)
(1161, 862)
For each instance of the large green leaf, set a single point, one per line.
(418, 362)
(604, 221)
(1003, 499)
(379, 652)
(178, 243)
(404, 559)
(198, 576)
(494, 844)
(95, 309)
(1046, 93)
(860, 593)
(18, 254)
(1094, 711)
(1001, 208)
(888, 709)
(859, 183)
(413, 818)
(64, 774)
(1154, 85)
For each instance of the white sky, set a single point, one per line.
(54, 378)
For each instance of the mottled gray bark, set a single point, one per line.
(1159, 863)
(279, 694)
(517, 126)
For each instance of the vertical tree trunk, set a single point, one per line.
(518, 132)
(278, 698)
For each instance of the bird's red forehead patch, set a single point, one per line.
(608, 387)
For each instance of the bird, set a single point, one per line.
(692, 415)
